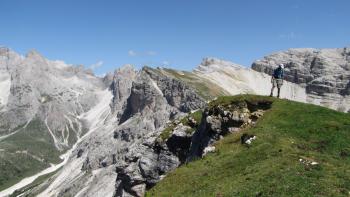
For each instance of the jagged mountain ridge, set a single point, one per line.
(124, 123)
(41, 104)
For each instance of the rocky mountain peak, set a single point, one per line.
(210, 64)
(4, 50)
(126, 68)
(34, 54)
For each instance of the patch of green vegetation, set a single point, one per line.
(205, 88)
(225, 101)
(23, 152)
(6, 128)
(72, 135)
(197, 116)
(270, 166)
(166, 133)
(14, 167)
(38, 181)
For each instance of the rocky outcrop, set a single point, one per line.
(148, 163)
(183, 141)
(144, 171)
(159, 98)
(325, 73)
(219, 120)
(121, 87)
(177, 93)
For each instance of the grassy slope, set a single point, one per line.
(270, 167)
(36, 141)
(37, 182)
(204, 87)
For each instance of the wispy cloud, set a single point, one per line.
(133, 53)
(165, 63)
(96, 65)
(151, 53)
(288, 36)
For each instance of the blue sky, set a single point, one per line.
(105, 34)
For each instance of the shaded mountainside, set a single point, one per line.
(125, 132)
(310, 158)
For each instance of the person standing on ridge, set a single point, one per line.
(277, 79)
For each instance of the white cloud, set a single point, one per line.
(151, 53)
(165, 63)
(96, 65)
(132, 53)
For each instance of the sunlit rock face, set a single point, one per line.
(325, 73)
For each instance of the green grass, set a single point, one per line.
(270, 167)
(14, 167)
(36, 141)
(38, 181)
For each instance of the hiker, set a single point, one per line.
(277, 79)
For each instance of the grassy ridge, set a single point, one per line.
(204, 87)
(289, 131)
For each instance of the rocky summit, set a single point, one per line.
(74, 134)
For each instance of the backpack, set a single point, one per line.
(278, 73)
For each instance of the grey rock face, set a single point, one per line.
(221, 120)
(48, 90)
(325, 73)
(125, 137)
(153, 96)
(121, 86)
(177, 93)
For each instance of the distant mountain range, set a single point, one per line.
(109, 127)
